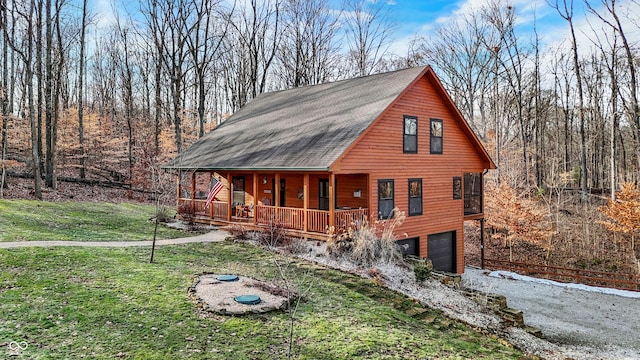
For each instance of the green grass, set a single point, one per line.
(26, 220)
(69, 303)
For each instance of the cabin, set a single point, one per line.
(327, 156)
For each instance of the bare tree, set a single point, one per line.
(4, 95)
(249, 50)
(368, 29)
(632, 106)
(49, 168)
(169, 23)
(308, 53)
(81, 90)
(460, 54)
(126, 76)
(210, 28)
(566, 12)
(25, 14)
(513, 62)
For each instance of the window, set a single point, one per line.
(415, 197)
(436, 136)
(410, 134)
(238, 190)
(385, 199)
(473, 193)
(457, 188)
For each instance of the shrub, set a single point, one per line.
(164, 214)
(366, 244)
(273, 235)
(238, 232)
(187, 213)
(422, 271)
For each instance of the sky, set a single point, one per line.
(423, 17)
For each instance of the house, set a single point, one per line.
(329, 155)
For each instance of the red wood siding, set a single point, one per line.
(380, 153)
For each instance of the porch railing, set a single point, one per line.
(318, 221)
(346, 219)
(197, 207)
(290, 218)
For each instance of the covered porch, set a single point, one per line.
(307, 204)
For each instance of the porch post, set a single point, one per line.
(482, 243)
(229, 197)
(369, 199)
(193, 193)
(332, 200)
(255, 197)
(306, 201)
(277, 191)
(211, 175)
(178, 189)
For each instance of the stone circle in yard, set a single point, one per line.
(219, 296)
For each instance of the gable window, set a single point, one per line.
(385, 198)
(415, 197)
(410, 140)
(436, 136)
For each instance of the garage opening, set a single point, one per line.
(410, 246)
(442, 251)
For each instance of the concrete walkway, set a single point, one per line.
(213, 236)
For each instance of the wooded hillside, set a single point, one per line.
(86, 97)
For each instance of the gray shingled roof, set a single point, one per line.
(305, 128)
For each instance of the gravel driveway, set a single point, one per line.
(570, 316)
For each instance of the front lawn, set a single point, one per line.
(72, 303)
(26, 220)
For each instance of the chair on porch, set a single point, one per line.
(244, 211)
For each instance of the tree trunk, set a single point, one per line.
(5, 100)
(48, 98)
(41, 81)
(80, 91)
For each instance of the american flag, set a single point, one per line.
(215, 189)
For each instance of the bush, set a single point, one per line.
(273, 235)
(186, 213)
(164, 214)
(422, 271)
(238, 232)
(367, 244)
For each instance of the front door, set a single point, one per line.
(323, 201)
(283, 194)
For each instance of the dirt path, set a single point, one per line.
(570, 316)
(213, 236)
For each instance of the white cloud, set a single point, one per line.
(104, 13)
